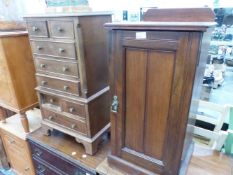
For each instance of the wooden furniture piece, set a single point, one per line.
(16, 75)
(153, 66)
(15, 144)
(60, 154)
(70, 55)
(214, 114)
(3, 159)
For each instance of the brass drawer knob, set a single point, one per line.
(12, 141)
(27, 169)
(66, 88)
(65, 69)
(35, 29)
(50, 117)
(71, 109)
(51, 100)
(73, 126)
(39, 48)
(43, 83)
(59, 29)
(42, 65)
(61, 50)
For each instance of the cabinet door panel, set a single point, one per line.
(135, 93)
(148, 84)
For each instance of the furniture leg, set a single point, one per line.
(3, 114)
(24, 122)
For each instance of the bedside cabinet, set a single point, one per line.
(156, 69)
(17, 75)
(14, 141)
(70, 55)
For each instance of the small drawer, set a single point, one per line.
(57, 49)
(67, 86)
(74, 108)
(14, 143)
(48, 99)
(57, 66)
(61, 29)
(69, 123)
(37, 28)
(42, 169)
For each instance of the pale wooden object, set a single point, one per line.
(217, 137)
(17, 74)
(15, 144)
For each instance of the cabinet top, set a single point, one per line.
(12, 33)
(178, 26)
(69, 14)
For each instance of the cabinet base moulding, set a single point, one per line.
(90, 144)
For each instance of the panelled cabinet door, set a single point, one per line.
(148, 78)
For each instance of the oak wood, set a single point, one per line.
(17, 73)
(18, 153)
(153, 72)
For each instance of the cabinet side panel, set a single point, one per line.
(21, 68)
(7, 96)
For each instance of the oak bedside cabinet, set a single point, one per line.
(153, 66)
(17, 80)
(14, 141)
(70, 55)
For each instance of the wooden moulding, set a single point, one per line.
(180, 15)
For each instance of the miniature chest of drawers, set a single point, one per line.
(70, 55)
(17, 80)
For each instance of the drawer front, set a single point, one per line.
(53, 159)
(69, 123)
(58, 49)
(74, 108)
(14, 143)
(42, 169)
(52, 100)
(59, 67)
(37, 28)
(61, 29)
(59, 84)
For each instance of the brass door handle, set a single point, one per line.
(115, 104)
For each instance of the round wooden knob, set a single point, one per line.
(35, 29)
(66, 88)
(51, 100)
(73, 126)
(65, 69)
(71, 109)
(59, 29)
(42, 65)
(43, 83)
(61, 50)
(50, 117)
(39, 48)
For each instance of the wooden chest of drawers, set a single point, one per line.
(59, 154)
(17, 80)
(70, 55)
